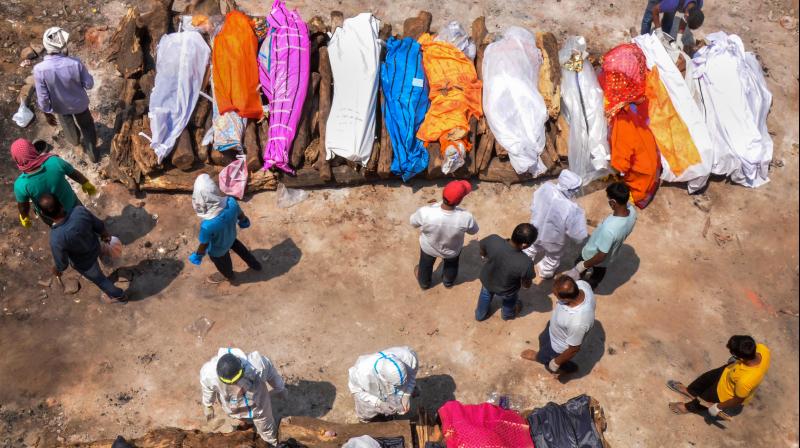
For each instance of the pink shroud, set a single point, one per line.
(283, 70)
(483, 426)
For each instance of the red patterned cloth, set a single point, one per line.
(483, 426)
(623, 78)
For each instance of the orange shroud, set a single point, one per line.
(455, 93)
(634, 154)
(671, 133)
(235, 68)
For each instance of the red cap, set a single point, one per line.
(455, 191)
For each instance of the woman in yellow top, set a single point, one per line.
(729, 386)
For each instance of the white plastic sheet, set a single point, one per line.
(180, 67)
(582, 106)
(354, 51)
(362, 442)
(656, 55)
(512, 103)
(729, 85)
(455, 34)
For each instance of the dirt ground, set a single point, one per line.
(338, 276)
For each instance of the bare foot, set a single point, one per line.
(530, 355)
(678, 408)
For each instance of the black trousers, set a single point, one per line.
(449, 272)
(224, 263)
(705, 387)
(594, 275)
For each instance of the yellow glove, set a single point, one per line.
(25, 221)
(88, 188)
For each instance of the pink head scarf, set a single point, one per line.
(26, 157)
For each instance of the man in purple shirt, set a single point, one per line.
(61, 84)
(692, 11)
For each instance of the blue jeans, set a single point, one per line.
(485, 302)
(96, 276)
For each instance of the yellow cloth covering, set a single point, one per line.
(455, 93)
(672, 136)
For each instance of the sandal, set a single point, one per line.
(678, 408)
(675, 386)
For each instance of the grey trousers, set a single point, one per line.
(79, 129)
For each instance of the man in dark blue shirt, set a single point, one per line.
(692, 11)
(75, 240)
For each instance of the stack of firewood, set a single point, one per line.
(134, 163)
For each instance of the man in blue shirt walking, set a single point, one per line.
(217, 236)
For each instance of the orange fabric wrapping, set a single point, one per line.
(235, 68)
(635, 155)
(671, 133)
(455, 93)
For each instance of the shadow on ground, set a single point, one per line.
(469, 265)
(624, 266)
(132, 224)
(275, 262)
(592, 350)
(306, 398)
(149, 277)
(434, 391)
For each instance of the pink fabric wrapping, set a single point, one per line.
(283, 70)
(483, 426)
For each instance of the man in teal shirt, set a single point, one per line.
(44, 173)
(602, 247)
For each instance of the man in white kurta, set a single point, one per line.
(240, 382)
(382, 383)
(557, 217)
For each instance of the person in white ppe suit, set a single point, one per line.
(382, 383)
(556, 216)
(240, 381)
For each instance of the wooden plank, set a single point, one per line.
(312, 432)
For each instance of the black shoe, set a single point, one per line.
(256, 266)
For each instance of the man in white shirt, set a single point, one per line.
(443, 226)
(573, 317)
(556, 216)
(239, 381)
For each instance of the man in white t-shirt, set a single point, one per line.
(443, 226)
(573, 317)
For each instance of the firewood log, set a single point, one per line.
(386, 151)
(434, 161)
(325, 99)
(251, 147)
(502, 171)
(182, 156)
(337, 20)
(549, 73)
(303, 136)
(125, 50)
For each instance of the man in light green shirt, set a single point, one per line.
(602, 247)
